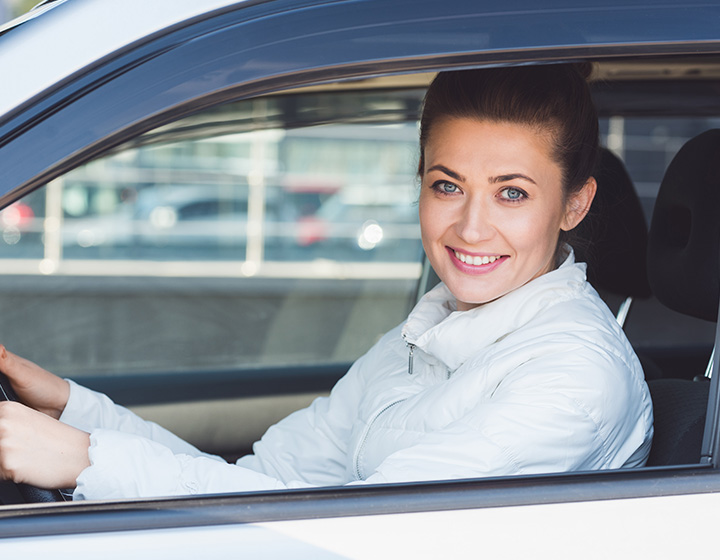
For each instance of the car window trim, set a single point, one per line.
(351, 501)
(195, 386)
(710, 449)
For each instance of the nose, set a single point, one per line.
(474, 223)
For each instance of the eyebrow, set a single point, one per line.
(447, 171)
(510, 177)
(493, 180)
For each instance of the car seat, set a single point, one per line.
(613, 237)
(613, 240)
(684, 274)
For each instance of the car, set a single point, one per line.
(301, 103)
(16, 220)
(158, 221)
(346, 228)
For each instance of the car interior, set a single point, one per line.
(685, 231)
(218, 339)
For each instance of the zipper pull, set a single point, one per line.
(411, 348)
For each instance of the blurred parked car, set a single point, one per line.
(168, 217)
(15, 219)
(341, 228)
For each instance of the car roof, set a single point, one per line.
(97, 29)
(36, 52)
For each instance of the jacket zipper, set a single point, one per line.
(360, 447)
(411, 348)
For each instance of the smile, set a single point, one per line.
(476, 261)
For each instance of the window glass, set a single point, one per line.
(274, 231)
(280, 231)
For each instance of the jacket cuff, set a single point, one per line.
(76, 410)
(127, 466)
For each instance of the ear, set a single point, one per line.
(579, 204)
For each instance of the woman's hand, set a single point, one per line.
(39, 450)
(36, 387)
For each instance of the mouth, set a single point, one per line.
(476, 260)
(475, 264)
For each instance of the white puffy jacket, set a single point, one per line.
(541, 380)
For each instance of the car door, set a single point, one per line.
(218, 335)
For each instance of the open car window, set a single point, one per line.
(206, 270)
(273, 232)
(208, 243)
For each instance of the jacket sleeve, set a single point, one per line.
(89, 410)
(558, 413)
(132, 458)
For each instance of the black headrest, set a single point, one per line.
(615, 232)
(684, 244)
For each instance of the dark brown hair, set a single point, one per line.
(554, 97)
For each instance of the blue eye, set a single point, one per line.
(513, 194)
(444, 187)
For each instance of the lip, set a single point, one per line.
(475, 270)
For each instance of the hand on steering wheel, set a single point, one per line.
(33, 385)
(14, 417)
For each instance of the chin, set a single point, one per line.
(474, 297)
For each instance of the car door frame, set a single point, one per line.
(177, 73)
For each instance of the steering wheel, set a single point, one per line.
(30, 494)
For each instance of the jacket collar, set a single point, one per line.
(451, 336)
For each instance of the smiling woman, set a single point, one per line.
(506, 162)
(486, 229)
(515, 364)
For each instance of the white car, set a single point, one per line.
(297, 102)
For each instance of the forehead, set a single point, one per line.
(487, 142)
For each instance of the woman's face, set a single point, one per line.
(492, 207)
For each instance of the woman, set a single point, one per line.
(512, 365)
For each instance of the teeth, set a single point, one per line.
(476, 261)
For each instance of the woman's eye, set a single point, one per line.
(513, 194)
(444, 187)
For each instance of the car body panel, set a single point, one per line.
(592, 529)
(638, 530)
(50, 58)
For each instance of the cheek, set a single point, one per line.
(428, 214)
(532, 230)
